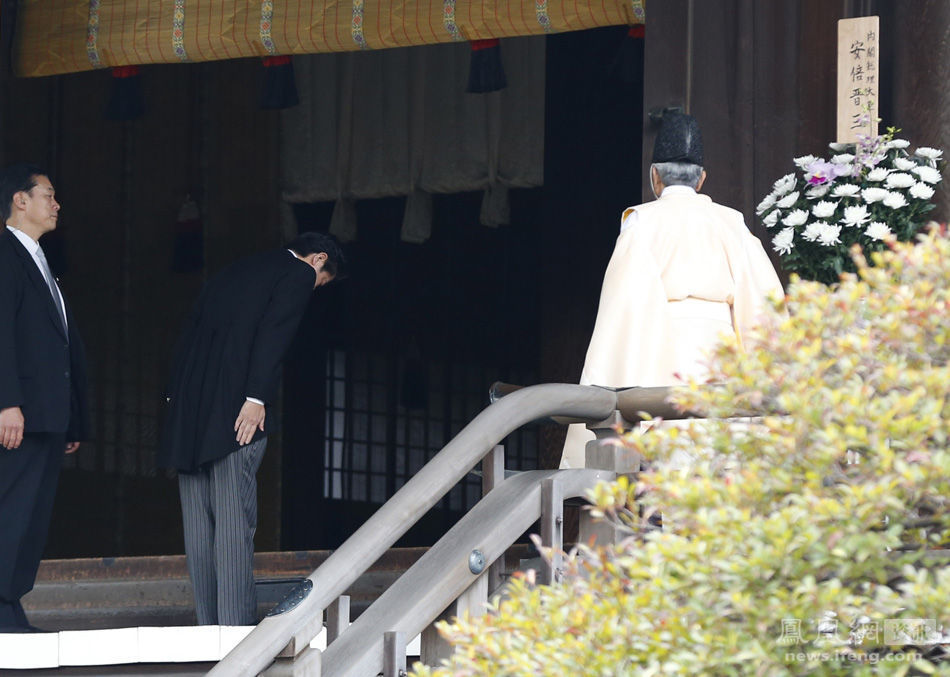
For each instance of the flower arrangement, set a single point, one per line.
(867, 194)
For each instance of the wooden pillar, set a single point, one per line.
(920, 100)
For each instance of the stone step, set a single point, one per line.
(135, 615)
(122, 592)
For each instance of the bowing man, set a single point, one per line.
(223, 382)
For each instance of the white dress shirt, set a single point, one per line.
(33, 247)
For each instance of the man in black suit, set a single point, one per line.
(224, 378)
(43, 408)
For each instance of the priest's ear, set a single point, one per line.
(656, 183)
(702, 180)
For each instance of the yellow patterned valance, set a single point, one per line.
(64, 36)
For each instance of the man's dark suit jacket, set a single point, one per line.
(41, 371)
(232, 348)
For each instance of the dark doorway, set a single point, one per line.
(390, 364)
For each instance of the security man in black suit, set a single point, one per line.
(224, 378)
(43, 407)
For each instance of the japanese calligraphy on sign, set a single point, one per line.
(858, 47)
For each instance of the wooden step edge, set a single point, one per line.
(278, 564)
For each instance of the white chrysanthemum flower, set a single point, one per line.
(767, 203)
(795, 218)
(783, 185)
(921, 191)
(824, 209)
(813, 230)
(788, 200)
(771, 218)
(782, 242)
(819, 191)
(829, 235)
(878, 174)
(855, 216)
(846, 190)
(904, 164)
(929, 153)
(900, 180)
(928, 174)
(895, 200)
(874, 194)
(898, 143)
(843, 158)
(804, 161)
(838, 147)
(877, 230)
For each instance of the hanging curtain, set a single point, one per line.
(399, 122)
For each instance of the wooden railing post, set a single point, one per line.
(552, 530)
(493, 474)
(607, 453)
(493, 468)
(338, 617)
(432, 647)
(394, 654)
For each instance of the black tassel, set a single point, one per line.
(280, 89)
(485, 73)
(628, 64)
(125, 100)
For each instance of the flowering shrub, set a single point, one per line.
(805, 541)
(865, 194)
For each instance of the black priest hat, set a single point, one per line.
(679, 140)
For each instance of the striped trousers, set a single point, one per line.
(219, 511)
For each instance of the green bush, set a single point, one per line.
(808, 540)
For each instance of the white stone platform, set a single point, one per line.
(185, 644)
(123, 646)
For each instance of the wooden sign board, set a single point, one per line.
(858, 50)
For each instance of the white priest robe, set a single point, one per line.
(684, 271)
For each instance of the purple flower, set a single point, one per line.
(820, 172)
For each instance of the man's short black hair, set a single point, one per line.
(315, 243)
(14, 179)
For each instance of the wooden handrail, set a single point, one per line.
(294, 629)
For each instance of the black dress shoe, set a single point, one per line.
(19, 615)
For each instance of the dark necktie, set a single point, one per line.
(54, 290)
